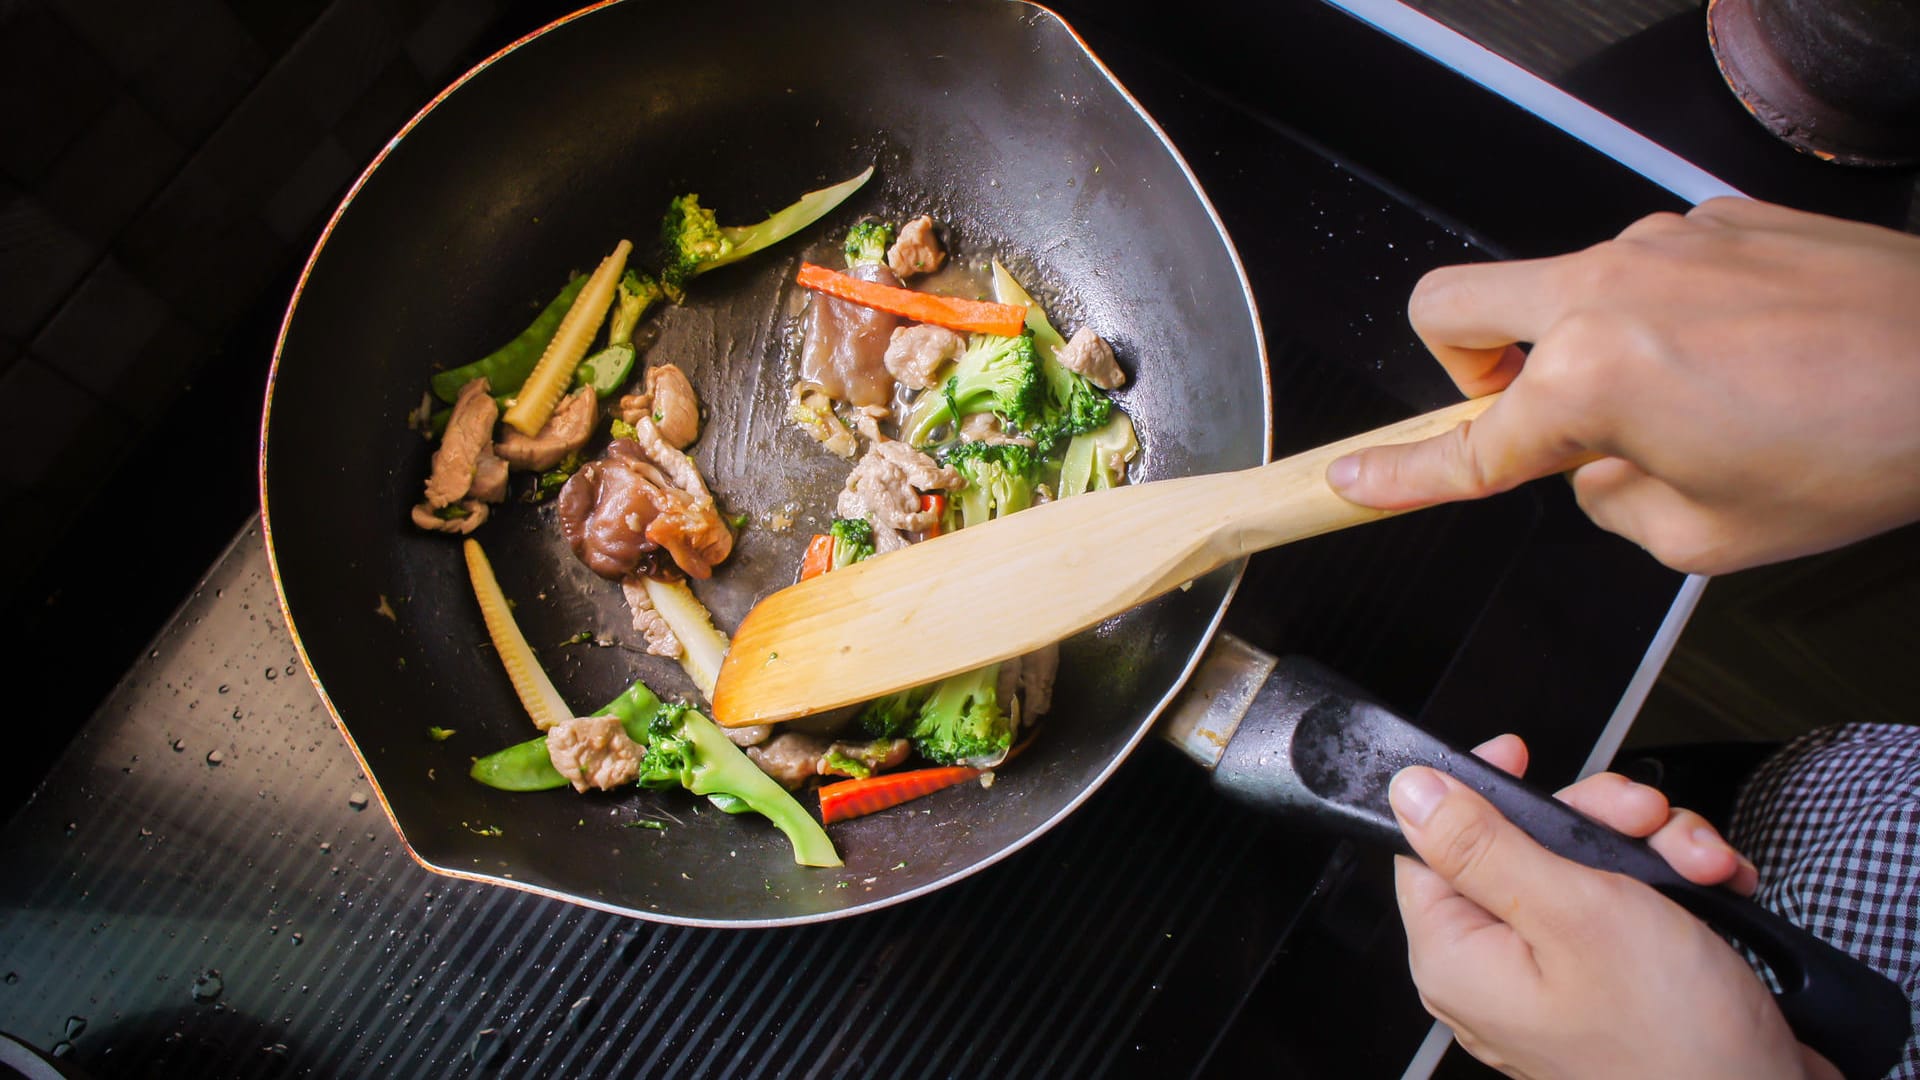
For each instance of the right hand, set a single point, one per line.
(1748, 375)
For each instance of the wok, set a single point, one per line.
(989, 114)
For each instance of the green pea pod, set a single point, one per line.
(606, 371)
(509, 365)
(526, 766)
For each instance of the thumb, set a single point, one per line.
(1517, 439)
(1485, 857)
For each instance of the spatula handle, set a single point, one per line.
(1289, 499)
(1309, 747)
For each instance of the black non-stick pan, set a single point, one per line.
(989, 114)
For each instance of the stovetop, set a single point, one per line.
(198, 889)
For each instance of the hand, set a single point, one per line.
(1581, 973)
(1747, 375)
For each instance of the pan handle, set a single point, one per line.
(1310, 745)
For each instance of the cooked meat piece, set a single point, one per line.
(878, 755)
(428, 518)
(631, 407)
(676, 411)
(885, 489)
(789, 757)
(1037, 671)
(1089, 354)
(812, 409)
(751, 735)
(489, 477)
(565, 432)
(660, 639)
(594, 752)
(605, 509)
(843, 346)
(917, 250)
(915, 354)
(468, 430)
(985, 427)
(615, 510)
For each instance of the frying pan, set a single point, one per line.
(989, 114)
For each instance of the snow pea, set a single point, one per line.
(509, 365)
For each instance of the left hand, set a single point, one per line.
(1547, 968)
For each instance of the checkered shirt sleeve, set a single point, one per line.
(1833, 823)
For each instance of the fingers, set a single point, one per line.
(1508, 753)
(1484, 857)
(1524, 435)
(1618, 803)
(1468, 315)
(1683, 838)
(1623, 499)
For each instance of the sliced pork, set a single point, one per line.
(565, 432)
(469, 430)
(659, 636)
(1089, 354)
(462, 519)
(915, 354)
(885, 486)
(917, 250)
(594, 752)
(675, 409)
(878, 755)
(789, 757)
(843, 346)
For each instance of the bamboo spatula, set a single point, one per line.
(917, 615)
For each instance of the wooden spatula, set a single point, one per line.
(916, 615)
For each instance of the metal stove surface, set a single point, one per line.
(198, 889)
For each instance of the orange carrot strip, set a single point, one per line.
(819, 558)
(854, 798)
(977, 316)
(937, 503)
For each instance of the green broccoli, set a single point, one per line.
(962, 723)
(636, 294)
(995, 374)
(999, 477)
(867, 243)
(682, 749)
(893, 716)
(692, 240)
(1069, 405)
(852, 541)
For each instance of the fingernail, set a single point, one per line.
(1708, 838)
(1416, 793)
(1344, 472)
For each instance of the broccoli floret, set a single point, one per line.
(962, 723)
(999, 477)
(995, 374)
(893, 716)
(1069, 405)
(867, 243)
(637, 293)
(852, 541)
(690, 241)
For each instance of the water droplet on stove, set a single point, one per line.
(273, 928)
(273, 673)
(577, 1013)
(72, 827)
(145, 832)
(325, 847)
(11, 978)
(179, 745)
(297, 939)
(357, 800)
(224, 688)
(277, 1049)
(215, 757)
(290, 668)
(75, 1025)
(62, 1049)
(208, 985)
(236, 712)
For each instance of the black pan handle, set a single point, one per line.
(1309, 746)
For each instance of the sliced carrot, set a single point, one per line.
(855, 798)
(819, 558)
(937, 503)
(976, 316)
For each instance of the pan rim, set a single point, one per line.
(1237, 570)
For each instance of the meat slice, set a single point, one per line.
(878, 755)
(1089, 354)
(469, 430)
(843, 346)
(674, 408)
(790, 757)
(473, 515)
(594, 752)
(986, 427)
(489, 477)
(565, 432)
(1037, 672)
(917, 250)
(915, 354)
(660, 638)
(885, 486)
